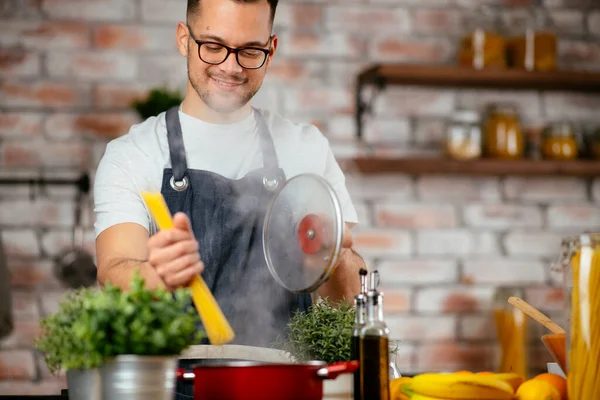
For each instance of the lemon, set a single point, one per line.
(537, 390)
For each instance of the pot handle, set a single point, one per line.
(182, 375)
(332, 371)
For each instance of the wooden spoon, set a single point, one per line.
(535, 314)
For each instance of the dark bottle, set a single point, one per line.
(374, 349)
(360, 305)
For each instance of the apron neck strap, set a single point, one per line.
(176, 147)
(267, 147)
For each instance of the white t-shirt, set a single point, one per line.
(135, 162)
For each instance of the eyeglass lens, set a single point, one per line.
(214, 53)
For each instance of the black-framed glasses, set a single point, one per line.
(215, 53)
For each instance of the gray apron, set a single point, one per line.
(227, 219)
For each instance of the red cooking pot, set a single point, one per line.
(251, 380)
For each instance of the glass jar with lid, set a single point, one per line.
(511, 332)
(463, 136)
(503, 134)
(533, 45)
(483, 45)
(579, 263)
(559, 141)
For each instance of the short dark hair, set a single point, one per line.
(193, 6)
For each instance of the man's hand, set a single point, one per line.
(174, 253)
(344, 284)
(316, 261)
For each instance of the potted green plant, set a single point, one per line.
(324, 332)
(111, 341)
(157, 101)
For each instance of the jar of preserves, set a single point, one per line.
(559, 142)
(511, 333)
(483, 45)
(534, 45)
(579, 263)
(463, 136)
(503, 135)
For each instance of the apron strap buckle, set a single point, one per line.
(271, 183)
(179, 185)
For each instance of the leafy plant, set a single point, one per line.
(157, 101)
(59, 344)
(93, 325)
(323, 332)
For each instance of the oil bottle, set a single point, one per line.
(374, 347)
(360, 306)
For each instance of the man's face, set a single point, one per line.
(227, 87)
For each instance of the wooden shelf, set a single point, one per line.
(507, 79)
(482, 167)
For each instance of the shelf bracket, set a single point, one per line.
(363, 107)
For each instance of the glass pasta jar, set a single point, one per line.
(559, 142)
(580, 266)
(394, 371)
(503, 135)
(511, 333)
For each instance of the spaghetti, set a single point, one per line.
(584, 344)
(216, 325)
(511, 327)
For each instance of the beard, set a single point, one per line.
(223, 102)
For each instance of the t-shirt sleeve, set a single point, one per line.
(335, 177)
(116, 194)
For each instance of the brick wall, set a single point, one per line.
(69, 68)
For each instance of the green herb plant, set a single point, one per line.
(157, 101)
(323, 332)
(93, 325)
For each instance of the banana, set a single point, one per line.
(398, 382)
(400, 389)
(511, 378)
(462, 387)
(417, 396)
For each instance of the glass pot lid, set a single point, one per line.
(302, 233)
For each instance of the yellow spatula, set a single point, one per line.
(216, 325)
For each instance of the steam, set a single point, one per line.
(256, 305)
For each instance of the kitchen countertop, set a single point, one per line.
(199, 352)
(64, 395)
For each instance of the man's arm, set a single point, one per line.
(168, 259)
(120, 250)
(344, 284)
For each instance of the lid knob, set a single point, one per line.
(310, 234)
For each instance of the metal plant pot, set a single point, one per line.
(84, 384)
(132, 377)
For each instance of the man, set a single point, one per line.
(216, 159)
